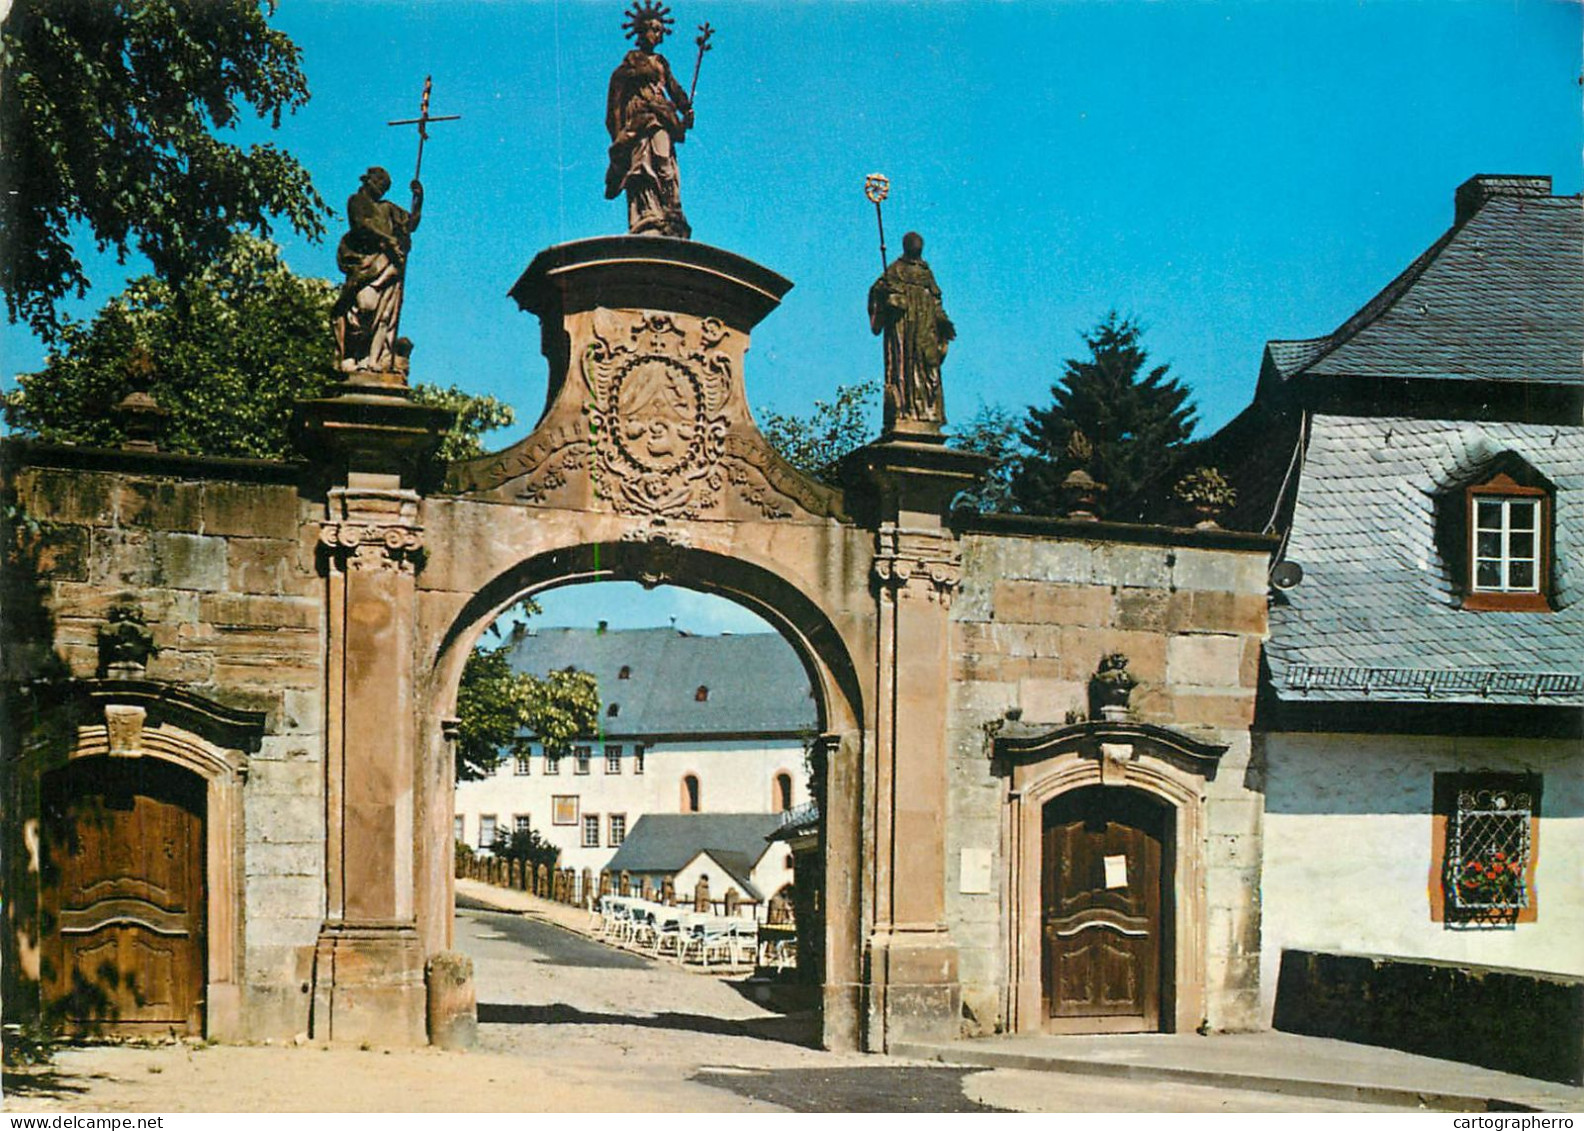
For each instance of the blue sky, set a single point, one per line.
(1225, 172)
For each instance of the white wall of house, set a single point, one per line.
(1348, 850)
(771, 872)
(735, 776)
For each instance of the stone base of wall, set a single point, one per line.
(1511, 1020)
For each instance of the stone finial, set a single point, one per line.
(701, 895)
(125, 643)
(1111, 687)
(141, 417)
(1082, 492)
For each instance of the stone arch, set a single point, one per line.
(815, 609)
(1162, 764)
(121, 719)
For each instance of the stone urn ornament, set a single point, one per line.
(1111, 687)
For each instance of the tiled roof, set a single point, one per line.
(1376, 617)
(756, 683)
(1499, 297)
(663, 843)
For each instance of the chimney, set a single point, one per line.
(1474, 192)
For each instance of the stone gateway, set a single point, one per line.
(275, 774)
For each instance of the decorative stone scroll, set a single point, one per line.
(373, 530)
(656, 389)
(919, 563)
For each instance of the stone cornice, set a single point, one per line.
(1025, 742)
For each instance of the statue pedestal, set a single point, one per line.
(372, 443)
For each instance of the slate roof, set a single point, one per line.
(757, 685)
(665, 842)
(1499, 297)
(1376, 617)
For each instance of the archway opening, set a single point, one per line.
(703, 759)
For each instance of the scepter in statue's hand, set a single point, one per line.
(703, 41)
(877, 187)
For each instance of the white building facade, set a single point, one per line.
(691, 724)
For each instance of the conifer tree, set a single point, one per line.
(1136, 419)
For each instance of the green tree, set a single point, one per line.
(1137, 419)
(227, 352)
(500, 711)
(992, 431)
(526, 845)
(108, 120)
(816, 442)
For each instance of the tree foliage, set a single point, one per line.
(815, 443)
(227, 352)
(1136, 418)
(108, 120)
(992, 431)
(501, 711)
(526, 845)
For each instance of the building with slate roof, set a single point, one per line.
(1422, 695)
(708, 725)
(727, 850)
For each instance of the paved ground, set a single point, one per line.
(567, 1024)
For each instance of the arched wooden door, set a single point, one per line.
(1105, 923)
(123, 897)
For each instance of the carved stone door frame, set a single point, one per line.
(1040, 765)
(137, 718)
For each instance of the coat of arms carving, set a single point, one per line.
(657, 391)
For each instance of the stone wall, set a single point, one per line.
(1030, 625)
(219, 557)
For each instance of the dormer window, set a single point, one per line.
(1508, 520)
(613, 710)
(625, 673)
(701, 695)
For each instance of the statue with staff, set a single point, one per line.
(373, 254)
(648, 114)
(905, 307)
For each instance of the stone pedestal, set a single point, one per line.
(907, 484)
(369, 962)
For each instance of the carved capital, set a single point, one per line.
(917, 564)
(373, 529)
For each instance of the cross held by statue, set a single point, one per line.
(422, 122)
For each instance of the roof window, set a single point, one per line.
(1496, 532)
(701, 695)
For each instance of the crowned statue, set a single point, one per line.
(648, 115)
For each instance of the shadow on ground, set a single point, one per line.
(933, 1089)
(801, 1029)
(37, 1083)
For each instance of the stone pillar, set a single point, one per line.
(370, 442)
(913, 992)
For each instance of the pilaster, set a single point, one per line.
(906, 485)
(369, 962)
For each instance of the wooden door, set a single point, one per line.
(1103, 935)
(123, 897)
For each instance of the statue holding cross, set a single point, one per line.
(373, 254)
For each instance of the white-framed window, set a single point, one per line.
(521, 823)
(613, 756)
(581, 756)
(458, 829)
(1507, 544)
(591, 830)
(552, 763)
(638, 758)
(520, 766)
(486, 830)
(618, 829)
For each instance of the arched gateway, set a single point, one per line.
(333, 603)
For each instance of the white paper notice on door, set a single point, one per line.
(1116, 871)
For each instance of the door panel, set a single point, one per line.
(123, 896)
(1102, 911)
